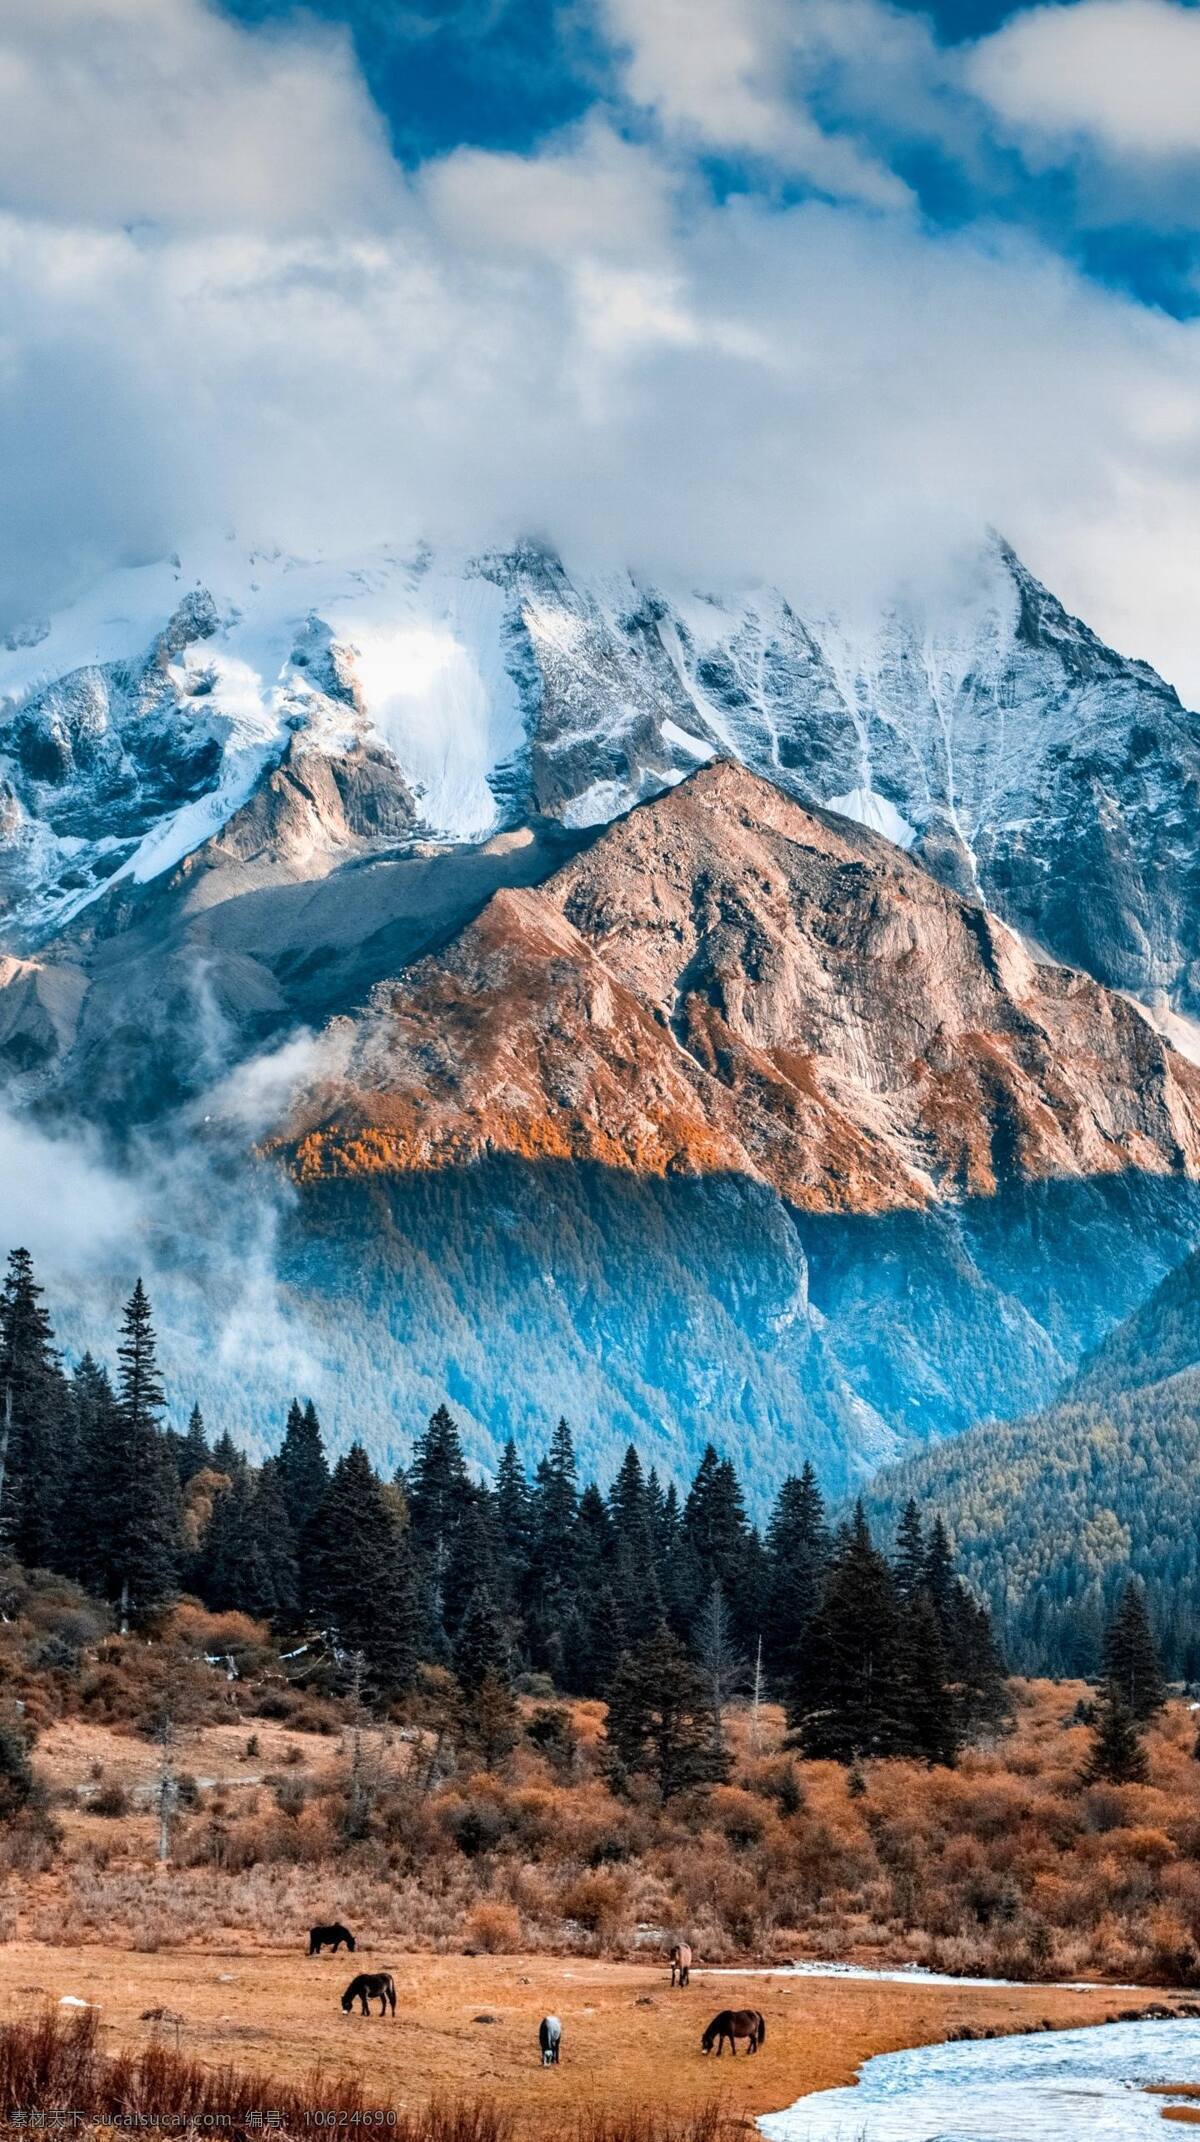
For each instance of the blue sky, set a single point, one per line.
(807, 291)
(507, 74)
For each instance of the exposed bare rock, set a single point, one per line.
(728, 983)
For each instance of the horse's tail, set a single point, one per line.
(762, 2028)
(351, 1944)
(390, 1991)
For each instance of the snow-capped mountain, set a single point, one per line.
(374, 976)
(1015, 755)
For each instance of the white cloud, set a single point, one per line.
(1123, 75)
(123, 111)
(719, 72)
(579, 342)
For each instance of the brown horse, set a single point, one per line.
(735, 2023)
(371, 1986)
(681, 1963)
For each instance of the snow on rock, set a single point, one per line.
(1054, 2086)
(874, 812)
(998, 740)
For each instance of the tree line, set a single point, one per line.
(665, 1604)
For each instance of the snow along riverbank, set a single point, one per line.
(1050, 2086)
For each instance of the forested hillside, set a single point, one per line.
(1158, 1340)
(1048, 1515)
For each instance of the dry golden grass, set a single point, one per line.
(466, 2027)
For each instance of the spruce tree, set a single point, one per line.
(1131, 1662)
(303, 1467)
(513, 1515)
(714, 1520)
(910, 1563)
(1116, 1755)
(138, 1544)
(930, 1719)
(660, 1719)
(852, 1701)
(797, 1559)
(482, 1646)
(35, 1401)
(193, 1455)
(436, 1486)
(92, 1411)
(363, 1576)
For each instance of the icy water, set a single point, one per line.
(1052, 2086)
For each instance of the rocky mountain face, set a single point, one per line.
(725, 983)
(1021, 760)
(723, 1114)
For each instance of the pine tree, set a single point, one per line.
(193, 1455)
(303, 1467)
(436, 1487)
(363, 1577)
(553, 1586)
(138, 1543)
(852, 1702)
(34, 1396)
(1131, 1662)
(475, 1558)
(93, 1409)
(482, 1646)
(514, 1516)
(797, 1559)
(1116, 1755)
(660, 1718)
(599, 1637)
(930, 1714)
(909, 1565)
(714, 1519)
(226, 1457)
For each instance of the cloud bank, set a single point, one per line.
(224, 303)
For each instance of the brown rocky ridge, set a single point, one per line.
(727, 982)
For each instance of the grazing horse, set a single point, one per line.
(681, 1962)
(329, 1937)
(735, 2023)
(550, 2040)
(370, 1986)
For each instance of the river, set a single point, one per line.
(1049, 2086)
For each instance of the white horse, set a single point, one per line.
(550, 2040)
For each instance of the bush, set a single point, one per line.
(110, 1799)
(493, 1927)
(16, 1770)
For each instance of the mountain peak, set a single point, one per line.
(726, 982)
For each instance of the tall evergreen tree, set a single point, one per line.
(514, 1515)
(35, 1403)
(363, 1578)
(910, 1563)
(138, 1542)
(930, 1716)
(797, 1558)
(303, 1466)
(436, 1487)
(660, 1718)
(852, 1704)
(714, 1519)
(1116, 1755)
(482, 1646)
(1131, 1662)
(193, 1455)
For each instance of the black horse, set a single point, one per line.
(735, 2023)
(329, 1937)
(370, 1986)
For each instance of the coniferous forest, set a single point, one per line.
(664, 1602)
